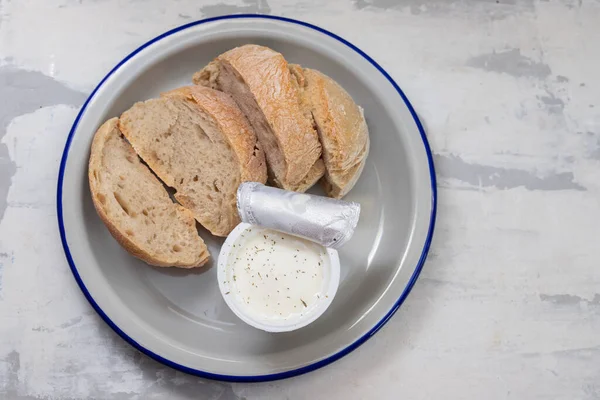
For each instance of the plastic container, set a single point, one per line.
(231, 293)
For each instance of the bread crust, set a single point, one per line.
(266, 74)
(342, 130)
(316, 172)
(95, 163)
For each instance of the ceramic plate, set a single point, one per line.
(178, 316)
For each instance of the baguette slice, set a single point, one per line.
(137, 209)
(342, 130)
(261, 83)
(197, 141)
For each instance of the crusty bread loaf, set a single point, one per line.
(136, 208)
(198, 142)
(262, 85)
(341, 126)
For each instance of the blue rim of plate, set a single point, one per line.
(280, 375)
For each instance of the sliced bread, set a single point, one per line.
(259, 80)
(341, 126)
(197, 141)
(314, 174)
(136, 207)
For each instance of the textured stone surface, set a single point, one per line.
(508, 305)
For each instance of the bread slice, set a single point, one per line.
(136, 208)
(314, 174)
(341, 126)
(197, 141)
(260, 82)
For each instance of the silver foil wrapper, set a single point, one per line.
(326, 221)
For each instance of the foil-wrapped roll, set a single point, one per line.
(326, 221)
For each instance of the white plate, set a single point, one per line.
(178, 317)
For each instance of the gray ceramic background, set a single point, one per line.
(180, 314)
